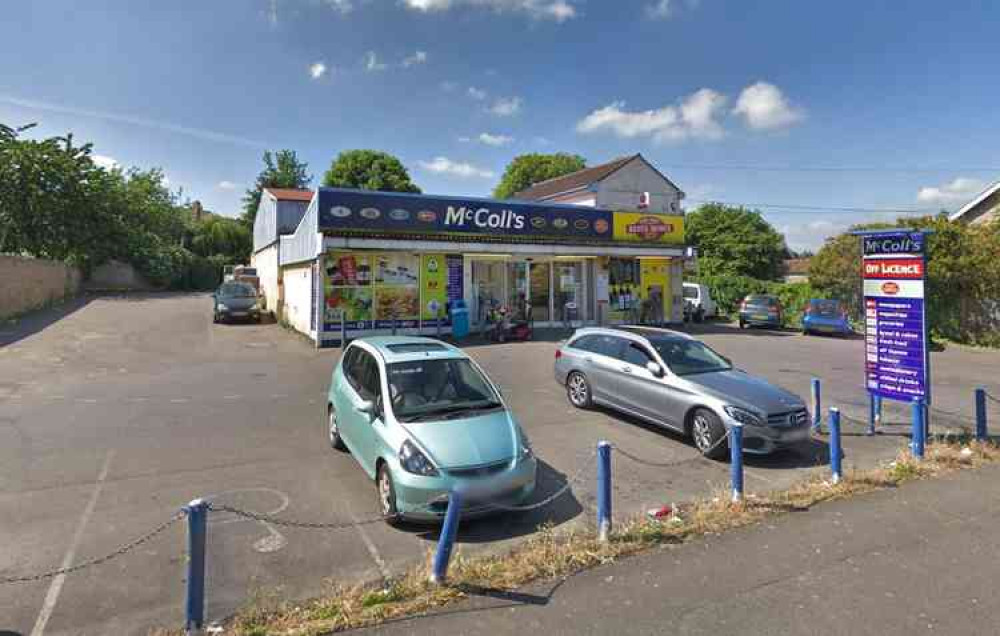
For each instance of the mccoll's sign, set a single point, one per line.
(484, 218)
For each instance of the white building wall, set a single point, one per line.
(266, 262)
(621, 190)
(297, 280)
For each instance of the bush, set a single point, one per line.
(794, 297)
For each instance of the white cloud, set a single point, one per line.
(660, 10)
(954, 193)
(343, 7)
(764, 107)
(418, 57)
(372, 63)
(495, 140)
(444, 165)
(476, 93)
(556, 10)
(226, 185)
(317, 70)
(694, 117)
(103, 161)
(506, 106)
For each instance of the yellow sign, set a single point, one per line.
(644, 227)
(655, 285)
(434, 293)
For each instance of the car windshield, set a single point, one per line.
(237, 290)
(826, 307)
(687, 357)
(438, 389)
(690, 292)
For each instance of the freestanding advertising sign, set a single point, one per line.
(896, 356)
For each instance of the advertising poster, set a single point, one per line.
(434, 288)
(397, 293)
(655, 286)
(896, 356)
(347, 292)
(456, 278)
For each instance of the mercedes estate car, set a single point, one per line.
(421, 419)
(673, 380)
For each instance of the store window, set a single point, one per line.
(569, 291)
(624, 291)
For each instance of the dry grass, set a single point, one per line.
(550, 554)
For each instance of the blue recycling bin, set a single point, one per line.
(459, 319)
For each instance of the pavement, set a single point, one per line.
(115, 411)
(920, 559)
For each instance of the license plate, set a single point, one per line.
(799, 434)
(238, 313)
(826, 328)
(759, 316)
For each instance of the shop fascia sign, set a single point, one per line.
(484, 218)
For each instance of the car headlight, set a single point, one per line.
(526, 450)
(413, 461)
(222, 307)
(743, 416)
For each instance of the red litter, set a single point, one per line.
(659, 513)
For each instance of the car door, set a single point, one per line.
(641, 391)
(365, 427)
(601, 366)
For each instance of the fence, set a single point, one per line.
(198, 510)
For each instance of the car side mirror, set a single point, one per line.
(365, 406)
(655, 369)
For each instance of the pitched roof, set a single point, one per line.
(971, 205)
(574, 180)
(290, 194)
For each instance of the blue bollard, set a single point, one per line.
(197, 513)
(836, 454)
(981, 430)
(917, 443)
(817, 404)
(736, 461)
(447, 540)
(603, 490)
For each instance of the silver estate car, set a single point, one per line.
(670, 379)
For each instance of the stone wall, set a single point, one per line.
(28, 283)
(117, 276)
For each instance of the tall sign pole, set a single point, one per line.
(894, 272)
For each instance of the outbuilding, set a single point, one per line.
(374, 262)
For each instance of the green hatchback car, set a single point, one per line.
(423, 419)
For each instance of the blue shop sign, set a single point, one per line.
(352, 210)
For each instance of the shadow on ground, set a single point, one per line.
(33, 322)
(508, 524)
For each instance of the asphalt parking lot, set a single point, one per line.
(116, 411)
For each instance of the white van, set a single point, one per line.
(698, 302)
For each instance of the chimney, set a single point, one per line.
(196, 211)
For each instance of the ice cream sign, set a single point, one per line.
(896, 355)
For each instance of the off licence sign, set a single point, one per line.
(893, 269)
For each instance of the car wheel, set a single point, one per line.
(333, 430)
(805, 332)
(699, 316)
(706, 431)
(386, 495)
(578, 391)
(743, 325)
(215, 318)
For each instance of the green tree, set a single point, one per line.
(735, 241)
(369, 170)
(525, 171)
(282, 169)
(219, 236)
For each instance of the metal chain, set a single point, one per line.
(676, 462)
(128, 547)
(559, 493)
(288, 523)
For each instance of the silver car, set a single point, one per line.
(673, 380)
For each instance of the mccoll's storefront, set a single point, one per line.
(379, 261)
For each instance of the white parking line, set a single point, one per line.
(369, 544)
(56, 586)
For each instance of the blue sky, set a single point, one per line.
(873, 105)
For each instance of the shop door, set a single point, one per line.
(569, 292)
(487, 288)
(518, 293)
(540, 288)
